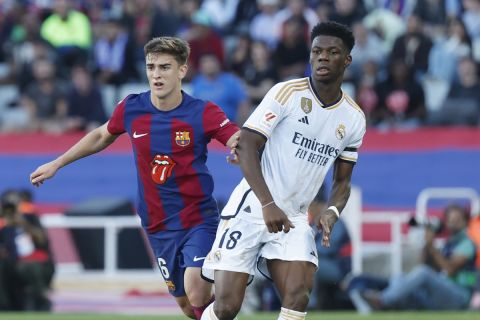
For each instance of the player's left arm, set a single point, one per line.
(342, 174)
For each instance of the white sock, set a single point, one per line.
(287, 314)
(208, 313)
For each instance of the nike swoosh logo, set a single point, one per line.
(198, 258)
(139, 135)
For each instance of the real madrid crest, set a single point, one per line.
(306, 104)
(340, 132)
(217, 256)
(182, 138)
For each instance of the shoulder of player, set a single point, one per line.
(284, 91)
(131, 99)
(349, 102)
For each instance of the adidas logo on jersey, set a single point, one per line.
(304, 120)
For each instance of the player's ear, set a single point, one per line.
(348, 60)
(183, 71)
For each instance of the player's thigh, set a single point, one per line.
(292, 277)
(292, 258)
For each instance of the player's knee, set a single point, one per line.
(296, 297)
(226, 310)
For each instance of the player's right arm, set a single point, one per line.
(93, 142)
(248, 155)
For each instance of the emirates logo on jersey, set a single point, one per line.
(162, 168)
(182, 138)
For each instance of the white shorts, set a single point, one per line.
(241, 245)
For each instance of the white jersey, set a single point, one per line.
(304, 138)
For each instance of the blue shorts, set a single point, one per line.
(177, 250)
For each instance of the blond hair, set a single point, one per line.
(174, 46)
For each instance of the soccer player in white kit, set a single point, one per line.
(304, 126)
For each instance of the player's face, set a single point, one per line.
(329, 58)
(164, 74)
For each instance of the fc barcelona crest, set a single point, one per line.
(306, 104)
(182, 138)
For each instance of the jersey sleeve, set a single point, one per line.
(350, 153)
(267, 115)
(116, 124)
(216, 123)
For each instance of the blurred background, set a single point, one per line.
(64, 64)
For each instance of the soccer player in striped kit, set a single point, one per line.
(169, 131)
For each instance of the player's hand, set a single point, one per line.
(43, 172)
(276, 220)
(325, 222)
(232, 158)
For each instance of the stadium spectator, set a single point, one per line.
(222, 88)
(175, 205)
(266, 26)
(292, 51)
(347, 12)
(401, 99)
(386, 24)
(368, 48)
(187, 10)
(444, 281)
(413, 47)
(114, 54)
(269, 227)
(203, 39)
(366, 92)
(84, 102)
(462, 105)
(239, 56)
(447, 50)
(45, 99)
(471, 17)
(166, 19)
(69, 32)
(246, 11)
(221, 12)
(298, 9)
(433, 13)
(27, 249)
(259, 74)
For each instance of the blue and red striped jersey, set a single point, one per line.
(170, 149)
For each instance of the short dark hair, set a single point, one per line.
(456, 207)
(174, 46)
(334, 29)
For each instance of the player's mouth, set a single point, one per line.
(158, 85)
(322, 71)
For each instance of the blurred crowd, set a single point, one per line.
(415, 62)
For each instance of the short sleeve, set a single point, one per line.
(350, 153)
(465, 248)
(216, 123)
(267, 115)
(116, 124)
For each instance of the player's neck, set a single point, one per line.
(327, 92)
(169, 102)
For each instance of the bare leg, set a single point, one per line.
(294, 281)
(229, 292)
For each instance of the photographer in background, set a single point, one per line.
(25, 252)
(444, 281)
